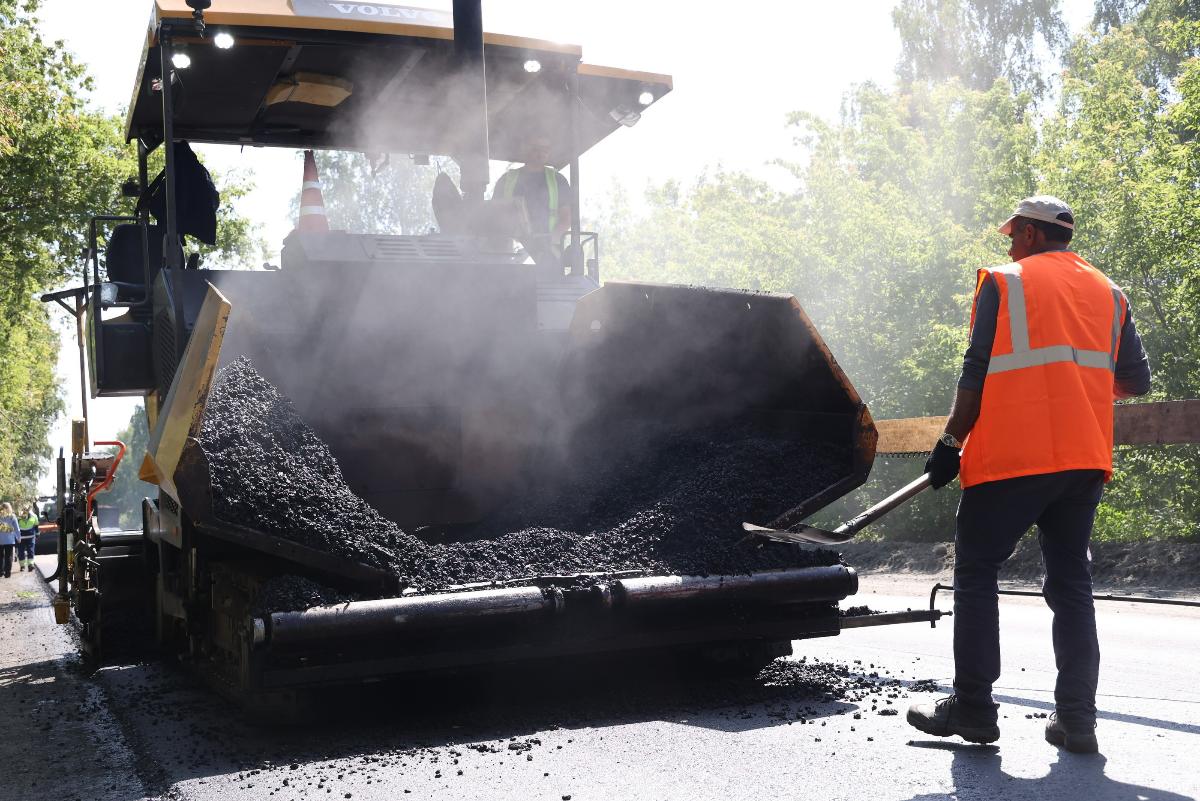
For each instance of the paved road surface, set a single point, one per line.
(59, 738)
(152, 732)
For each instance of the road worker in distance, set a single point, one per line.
(1053, 344)
(27, 545)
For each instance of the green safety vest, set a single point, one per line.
(28, 523)
(508, 184)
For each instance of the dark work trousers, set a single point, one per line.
(6, 560)
(992, 518)
(26, 547)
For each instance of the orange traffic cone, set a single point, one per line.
(312, 204)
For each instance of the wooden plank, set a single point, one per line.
(1157, 423)
(908, 434)
(1153, 423)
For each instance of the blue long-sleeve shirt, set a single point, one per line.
(10, 530)
(1132, 376)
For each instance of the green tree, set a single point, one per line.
(29, 398)
(239, 244)
(1124, 148)
(978, 41)
(61, 163)
(1157, 23)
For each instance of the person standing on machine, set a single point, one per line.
(546, 194)
(1053, 344)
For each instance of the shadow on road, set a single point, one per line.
(58, 737)
(1137, 720)
(976, 773)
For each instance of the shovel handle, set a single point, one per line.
(864, 519)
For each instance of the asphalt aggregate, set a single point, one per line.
(289, 592)
(673, 504)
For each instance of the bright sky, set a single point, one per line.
(738, 70)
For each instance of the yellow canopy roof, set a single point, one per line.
(372, 76)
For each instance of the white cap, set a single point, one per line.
(1040, 207)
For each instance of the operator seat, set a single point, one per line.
(123, 263)
(119, 347)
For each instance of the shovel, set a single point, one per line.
(812, 534)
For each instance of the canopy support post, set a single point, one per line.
(576, 212)
(172, 253)
(468, 48)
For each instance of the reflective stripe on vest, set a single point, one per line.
(1023, 356)
(508, 186)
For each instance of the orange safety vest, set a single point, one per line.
(1047, 401)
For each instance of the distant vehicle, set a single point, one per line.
(108, 517)
(47, 541)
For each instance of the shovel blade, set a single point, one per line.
(801, 533)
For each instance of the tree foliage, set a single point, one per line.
(54, 158)
(239, 242)
(29, 398)
(1123, 146)
(61, 162)
(898, 201)
(978, 41)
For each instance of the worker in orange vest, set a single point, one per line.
(1053, 344)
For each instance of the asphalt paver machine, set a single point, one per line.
(434, 343)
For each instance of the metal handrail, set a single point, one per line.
(585, 238)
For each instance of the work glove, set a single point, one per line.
(942, 465)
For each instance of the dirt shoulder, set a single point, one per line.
(1173, 566)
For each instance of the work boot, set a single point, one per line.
(1076, 738)
(947, 717)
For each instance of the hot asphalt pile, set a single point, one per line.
(673, 506)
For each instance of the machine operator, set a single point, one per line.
(546, 194)
(1053, 343)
